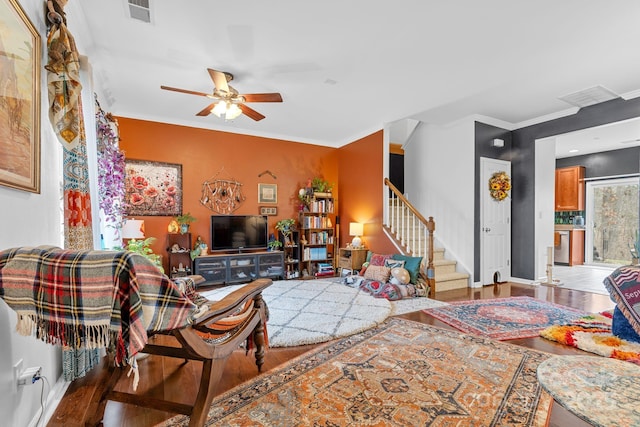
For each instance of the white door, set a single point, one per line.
(495, 225)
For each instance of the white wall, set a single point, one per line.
(29, 219)
(544, 203)
(439, 181)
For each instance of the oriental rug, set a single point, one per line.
(592, 333)
(314, 311)
(603, 392)
(504, 318)
(402, 373)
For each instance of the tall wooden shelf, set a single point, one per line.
(180, 263)
(317, 238)
(292, 257)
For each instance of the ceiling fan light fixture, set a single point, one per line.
(220, 108)
(233, 111)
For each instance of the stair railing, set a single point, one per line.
(412, 232)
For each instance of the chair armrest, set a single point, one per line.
(232, 302)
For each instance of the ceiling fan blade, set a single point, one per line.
(262, 97)
(190, 92)
(206, 110)
(250, 112)
(219, 80)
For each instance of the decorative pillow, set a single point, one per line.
(400, 276)
(377, 272)
(378, 259)
(393, 263)
(412, 264)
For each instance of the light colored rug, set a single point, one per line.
(400, 374)
(314, 311)
(603, 392)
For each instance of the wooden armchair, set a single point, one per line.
(243, 308)
(118, 300)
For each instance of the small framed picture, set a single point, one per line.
(267, 193)
(268, 210)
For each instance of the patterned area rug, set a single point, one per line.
(603, 392)
(400, 374)
(314, 311)
(592, 333)
(504, 318)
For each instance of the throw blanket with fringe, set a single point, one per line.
(624, 287)
(91, 299)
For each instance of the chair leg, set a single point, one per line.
(98, 403)
(211, 374)
(258, 339)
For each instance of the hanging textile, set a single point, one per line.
(65, 114)
(222, 195)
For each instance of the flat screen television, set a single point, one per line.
(238, 232)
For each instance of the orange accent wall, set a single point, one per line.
(361, 191)
(204, 154)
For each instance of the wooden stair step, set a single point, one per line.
(450, 281)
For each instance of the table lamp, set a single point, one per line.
(132, 229)
(356, 229)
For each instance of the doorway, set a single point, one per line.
(495, 223)
(612, 221)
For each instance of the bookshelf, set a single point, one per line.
(317, 237)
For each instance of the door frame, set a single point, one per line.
(484, 199)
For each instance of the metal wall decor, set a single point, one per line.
(222, 195)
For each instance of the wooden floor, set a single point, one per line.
(175, 380)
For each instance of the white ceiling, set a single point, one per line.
(347, 68)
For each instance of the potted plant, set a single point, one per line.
(319, 185)
(285, 226)
(184, 221)
(274, 245)
(143, 247)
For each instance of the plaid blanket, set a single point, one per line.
(91, 299)
(624, 287)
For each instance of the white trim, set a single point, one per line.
(552, 116)
(604, 178)
(54, 398)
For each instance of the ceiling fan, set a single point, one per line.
(229, 103)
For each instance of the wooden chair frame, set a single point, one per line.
(194, 347)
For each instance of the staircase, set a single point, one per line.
(413, 234)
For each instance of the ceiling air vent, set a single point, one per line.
(591, 96)
(139, 9)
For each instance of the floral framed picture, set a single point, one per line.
(267, 193)
(19, 99)
(153, 188)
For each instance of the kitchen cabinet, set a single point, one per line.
(570, 189)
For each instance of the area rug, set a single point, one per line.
(314, 311)
(592, 333)
(504, 318)
(399, 374)
(603, 392)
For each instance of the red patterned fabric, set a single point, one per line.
(379, 259)
(90, 299)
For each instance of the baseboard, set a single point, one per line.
(53, 400)
(522, 281)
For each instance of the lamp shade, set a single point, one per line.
(356, 229)
(133, 229)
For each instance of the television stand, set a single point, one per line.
(239, 267)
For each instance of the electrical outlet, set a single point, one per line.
(29, 375)
(17, 368)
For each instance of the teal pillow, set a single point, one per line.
(412, 264)
(369, 255)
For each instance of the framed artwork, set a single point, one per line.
(267, 193)
(153, 188)
(268, 210)
(19, 99)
